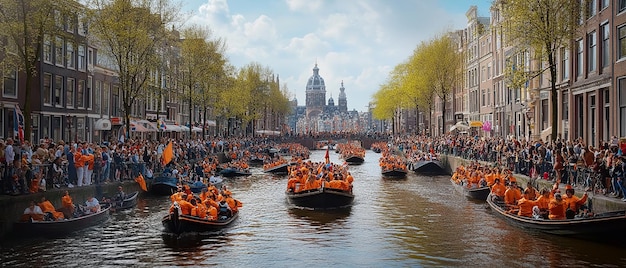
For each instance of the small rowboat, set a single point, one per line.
(321, 198)
(281, 169)
(62, 227)
(130, 201)
(354, 160)
(395, 173)
(175, 223)
(234, 172)
(602, 225)
(479, 193)
(431, 167)
(164, 185)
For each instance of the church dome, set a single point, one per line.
(316, 82)
(331, 102)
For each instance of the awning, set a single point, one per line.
(149, 125)
(136, 127)
(476, 124)
(545, 134)
(102, 124)
(211, 123)
(267, 132)
(196, 129)
(184, 129)
(459, 126)
(172, 128)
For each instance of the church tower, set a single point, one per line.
(315, 94)
(342, 100)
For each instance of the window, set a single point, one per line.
(622, 41)
(545, 113)
(105, 98)
(81, 58)
(9, 86)
(47, 89)
(591, 54)
(47, 49)
(90, 56)
(579, 57)
(96, 95)
(621, 6)
(58, 19)
(591, 11)
(71, 56)
(71, 23)
(69, 98)
(58, 51)
(82, 25)
(604, 4)
(80, 94)
(565, 102)
(88, 92)
(564, 63)
(607, 109)
(605, 49)
(58, 90)
(622, 106)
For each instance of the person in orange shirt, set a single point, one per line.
(498, 189)
(526, 204)
(234, 204)
(557, 208)
(573, 202)
(512, 195)
(543, 202)
(89, 164)
(48, 208)
(185, 206)
(212, 213)
(79, 163)
(67, 206)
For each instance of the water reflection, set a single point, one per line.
(321, 217)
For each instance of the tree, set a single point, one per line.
(24, 26)
(442, 65)
(130, 33)
(545, 26)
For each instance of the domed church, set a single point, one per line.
(316, 97)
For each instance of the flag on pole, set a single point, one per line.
(18, 123)
(327, 157)
(168, 154)
(142, 182)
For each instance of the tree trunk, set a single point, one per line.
(27, 109)
(553, 94)
(443, 114)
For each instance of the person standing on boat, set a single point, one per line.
(498, 189)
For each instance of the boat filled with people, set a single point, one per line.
(474, 181)
(319, 185)
(279, 166)
(352, 153)
(391, 165)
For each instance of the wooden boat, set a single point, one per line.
(130, 201)
(395, 173)
(196, 187)
(175, 223)
(62, 227)
(322, 198)
(600, 225)
(480, 193)
(164, 185)
(431, 167)
(280, 169)
(354, 159)
(234, 172)
(255, 161)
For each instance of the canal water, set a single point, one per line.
(413, 222)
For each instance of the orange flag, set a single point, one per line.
(142, 182)
(168, 154)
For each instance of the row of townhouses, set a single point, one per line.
(591, 81)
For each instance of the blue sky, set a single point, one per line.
(354, 41)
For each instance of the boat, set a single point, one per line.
(281, 169)
(395, 173)
(354, 159)
(164, 185)
(598, 226)
(255, 161)
(62, 227)
(321, 198)
(431, 167)
(178, 224)
(196, 187)
(234, 172)
(479, 193)
(130, 201)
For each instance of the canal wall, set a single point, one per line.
(12, 207)
(600, 203)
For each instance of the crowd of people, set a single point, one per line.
(309, 175)
(45, 210)
(211, 204)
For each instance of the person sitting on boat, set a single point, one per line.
(512, 194)
(177, 196)
(67, 206)
(49, 210)
(557, 208)
(233, 203)
(92, 205)
(573, 202)
(533, 194)
(224, 210)
(32, 213)
(497, 190)
(225, 190)
(543, 202)
(211, 213)
(526, 204)
(185, 206)
(200, 210)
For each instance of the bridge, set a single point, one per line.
(311, 141)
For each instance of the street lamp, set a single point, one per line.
(68, 120)
(530, 115)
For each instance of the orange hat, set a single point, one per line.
(568, 187)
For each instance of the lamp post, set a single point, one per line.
(530, 115)
(68, 120)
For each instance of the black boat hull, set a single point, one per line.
(323, 198)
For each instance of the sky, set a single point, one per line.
(355, 41)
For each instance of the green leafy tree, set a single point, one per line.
(545, 26)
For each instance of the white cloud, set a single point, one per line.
(304, 5)
(260, 29)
